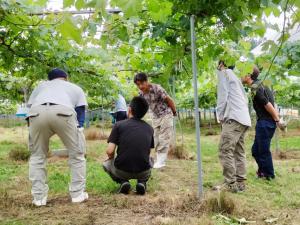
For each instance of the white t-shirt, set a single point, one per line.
(59, 92)
(121, 104)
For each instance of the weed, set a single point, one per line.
(19, 153)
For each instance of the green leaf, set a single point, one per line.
(129, 7)
(122, 33)
(276, 12)
(79, 4)
(246, 45)
(297, 3)
(69, 30)
(126, 49)
(268, 11)
(267, 45)
(159, 10)
(244, 68)
(68, 3)
(100, 5)
(41, 2)
(294, 73)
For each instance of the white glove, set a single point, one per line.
(81, 129)
(281, 124)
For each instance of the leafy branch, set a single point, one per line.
(281, 42)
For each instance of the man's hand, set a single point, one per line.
(110, 151)
(281, 125)
(171, 104)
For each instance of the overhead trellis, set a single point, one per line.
(149, 35)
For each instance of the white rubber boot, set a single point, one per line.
(81, 198)
(160, 160)
(41, 202)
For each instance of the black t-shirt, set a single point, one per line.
(134, 139)
(262, 96)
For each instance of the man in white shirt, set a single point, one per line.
(52, 111)
(120, 108)
(233, 113)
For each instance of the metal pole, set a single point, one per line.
(195, 82)
(174, 99)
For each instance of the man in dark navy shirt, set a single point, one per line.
(267, 119)
(134, 138)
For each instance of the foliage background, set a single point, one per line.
(102, 51)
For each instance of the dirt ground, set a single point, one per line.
(174, 201)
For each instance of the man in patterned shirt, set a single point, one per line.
(163, 109)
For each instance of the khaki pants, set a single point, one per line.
(232, 152)
(163, 132)
(44, 122)
(120, 176)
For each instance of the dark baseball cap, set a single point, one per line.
(57, 73)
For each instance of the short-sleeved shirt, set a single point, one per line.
(156, 100)
(263, 95)
(59, 92)
(134, 139)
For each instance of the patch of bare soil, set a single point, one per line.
(291, 133)
(287, 155)
(174, 202)
(180, 152)
(95, 134)
(117, 209)
(169, 204)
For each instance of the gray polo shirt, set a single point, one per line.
(232, 102)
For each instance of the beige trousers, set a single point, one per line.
(232, 151)
(163, 132)
(44, 122)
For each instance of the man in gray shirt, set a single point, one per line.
(233, 113)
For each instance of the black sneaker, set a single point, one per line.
(260, 174)
(269, 178)
(125, 188)
(140, 188)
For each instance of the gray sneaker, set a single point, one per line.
(232, 188)
(227, 187)
(241, 186)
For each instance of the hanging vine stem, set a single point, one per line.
(281, 42)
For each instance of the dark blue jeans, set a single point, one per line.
(261, 148)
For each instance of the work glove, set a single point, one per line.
(281, 124)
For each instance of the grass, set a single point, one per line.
(171, 196)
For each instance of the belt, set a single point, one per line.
(49, 103)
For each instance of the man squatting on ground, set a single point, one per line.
(134, 138)
(233, 113)
(163, 109)
(267, 118)
(57, 107)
